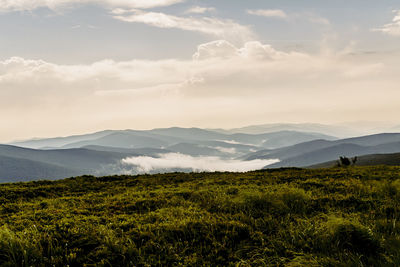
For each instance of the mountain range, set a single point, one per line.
(105, 152)
(320, 151)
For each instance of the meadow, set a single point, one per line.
(283, 217)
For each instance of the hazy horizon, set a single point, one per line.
(71, 67)
(351, 129)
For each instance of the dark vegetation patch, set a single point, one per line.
(284, 217)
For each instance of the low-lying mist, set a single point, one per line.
(174, 161)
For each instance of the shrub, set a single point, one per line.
(352, 236)
(296, 200)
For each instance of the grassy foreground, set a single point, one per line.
(331, 217)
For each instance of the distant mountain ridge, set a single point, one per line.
(339, 131)
(59, 141)
(161, 138)
(319, 151)
(343, 130)
(106, 152)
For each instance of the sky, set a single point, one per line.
(78, 66)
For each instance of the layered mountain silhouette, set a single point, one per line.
(160, 138)
(103, 153)
(30, 164)
(319, 151)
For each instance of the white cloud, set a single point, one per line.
(180, 161)
(221, 85)
(199, 10)
(392, 28)
(232, 142)
(140, 72)
(216, 49)
(227, 150)
(26, 5)
(270, 13)
(223, 49)
(223, 28)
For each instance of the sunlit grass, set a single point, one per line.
(331, 217)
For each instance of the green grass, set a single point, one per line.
(289, 217)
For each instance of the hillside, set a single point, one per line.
(322, 155)
(368, 160)
(330, 153)
(24, 164)
(320, 151)
(287, 217)
(17, 170)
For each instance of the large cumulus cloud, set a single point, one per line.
(221, 85)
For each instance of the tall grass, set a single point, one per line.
(330, 217)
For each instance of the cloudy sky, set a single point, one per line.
(77, 66)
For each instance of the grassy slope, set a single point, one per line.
(332, 217)
(368, 160)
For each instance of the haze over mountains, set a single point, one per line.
(186, 149)
(320, 151)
